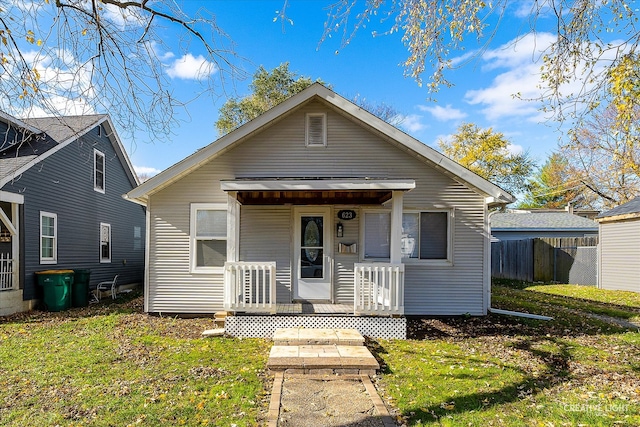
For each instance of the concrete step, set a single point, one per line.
(321, 336)
(322, 359)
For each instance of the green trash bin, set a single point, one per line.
(57, 288)
(80, 289)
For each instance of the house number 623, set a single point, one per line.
(347, 214)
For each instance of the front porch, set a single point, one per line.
(378, 289)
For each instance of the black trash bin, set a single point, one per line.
(57, 288)
(80, 293)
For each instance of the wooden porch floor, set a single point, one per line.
(314, 308)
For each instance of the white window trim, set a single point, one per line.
(448, 262)
(54, 259)
(363, 212)
(105, 260)
(324, 130)
(195, 207)
(97, 153)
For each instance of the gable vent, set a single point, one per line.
(316, 132)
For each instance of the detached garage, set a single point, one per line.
(619, 254)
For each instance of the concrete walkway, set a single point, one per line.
(322, 378)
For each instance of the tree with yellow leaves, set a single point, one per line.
(487, 153)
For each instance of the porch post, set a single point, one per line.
(233, 227)
(396, 227)
(15, 245)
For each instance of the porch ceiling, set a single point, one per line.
(313, 197)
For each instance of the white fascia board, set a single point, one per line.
(422, 149)
(117, 145)
(207, 153)
(319, 185)
(6, 196)
(9, 119)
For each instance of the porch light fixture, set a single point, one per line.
(339, 230)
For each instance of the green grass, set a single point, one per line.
(121, 369)
(111, 365)
(509, 371)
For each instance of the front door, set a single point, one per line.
(312, 253)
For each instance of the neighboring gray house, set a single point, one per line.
(318, 200)
(519, 225)
(61, 205)
(619, 249)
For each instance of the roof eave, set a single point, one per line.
(495, 196)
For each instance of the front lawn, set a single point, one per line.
(508, 371)
(112, 365)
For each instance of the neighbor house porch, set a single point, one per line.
(10, 290)
(296, 247)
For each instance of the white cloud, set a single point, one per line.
(515, 148)
(59, 105)
(443, 113)
(191, 67)
(121, 17)
(521, 80)
(412, 123)
(145, 172)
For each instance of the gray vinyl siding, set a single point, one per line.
(352, 151)
(619, 253)
(63, 184)
(343, 262)
(265, 235)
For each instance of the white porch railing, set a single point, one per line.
(6, 272)
(250, 286)
(378, 288)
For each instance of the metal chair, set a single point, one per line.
(107, 285)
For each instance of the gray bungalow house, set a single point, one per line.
(317, 200)
(61, 205)
(619, 249)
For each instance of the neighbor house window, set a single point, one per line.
(377, 235)
(208, 237)
(98, 171)
(426, 235)
(316, 130)
(48, 238)
(105, 242)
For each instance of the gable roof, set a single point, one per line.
(51, 134)
(627, 210)
(10, 120)
(494, 194)
(540, 221)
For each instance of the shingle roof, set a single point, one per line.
(10, 165)
(540, 221)
(63, 128)
(630, 207)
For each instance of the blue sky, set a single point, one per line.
(369, 67)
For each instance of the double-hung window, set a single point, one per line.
(48, 238)
(105, 242)
(208, 237)
(426, 235)
(98, 171)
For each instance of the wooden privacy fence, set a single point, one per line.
(546, 259)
